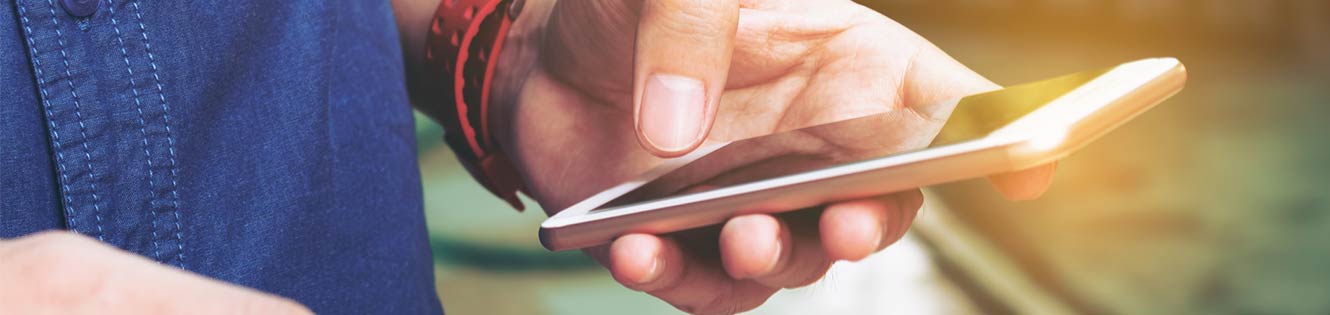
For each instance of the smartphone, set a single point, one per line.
(1006, 130)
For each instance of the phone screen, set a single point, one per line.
(849, 141)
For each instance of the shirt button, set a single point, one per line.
(79, 8)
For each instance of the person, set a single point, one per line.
(259, 156)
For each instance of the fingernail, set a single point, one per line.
(672, 113)
(653, 273)
(775, 258)
(881, 235)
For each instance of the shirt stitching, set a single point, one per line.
(143, 125)
(170, 138)
(78, 116)
(50, 121)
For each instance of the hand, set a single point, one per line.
(66, 273)
(596, 92)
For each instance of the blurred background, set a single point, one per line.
(1216, 202)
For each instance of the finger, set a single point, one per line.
(770, 252)
(681, 61)
(853, 230)
(50, 272)
(1024, 184)
(754, 245)
(638, 261)
(660, 267)
(933, 77)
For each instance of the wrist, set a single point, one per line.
(462, 57)
(413, 21)
(515, 64)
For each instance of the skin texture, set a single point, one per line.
(67, 273)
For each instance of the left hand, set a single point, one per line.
(61, 272)
(570, 113)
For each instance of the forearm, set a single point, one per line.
(414, 18)
(413, 22)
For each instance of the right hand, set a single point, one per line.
(67, 273)
(593, 93)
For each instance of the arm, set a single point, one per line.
(67, 273)
(591, 93)
(413, 20)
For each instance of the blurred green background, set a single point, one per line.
(1215, 202)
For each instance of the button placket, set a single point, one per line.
(71, 134)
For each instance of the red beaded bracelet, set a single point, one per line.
(460, 56)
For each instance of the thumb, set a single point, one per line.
(681, 60)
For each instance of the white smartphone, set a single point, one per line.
(1001, 131)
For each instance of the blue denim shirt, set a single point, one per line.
(265, 143)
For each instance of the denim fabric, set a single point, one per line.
(264, 143)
